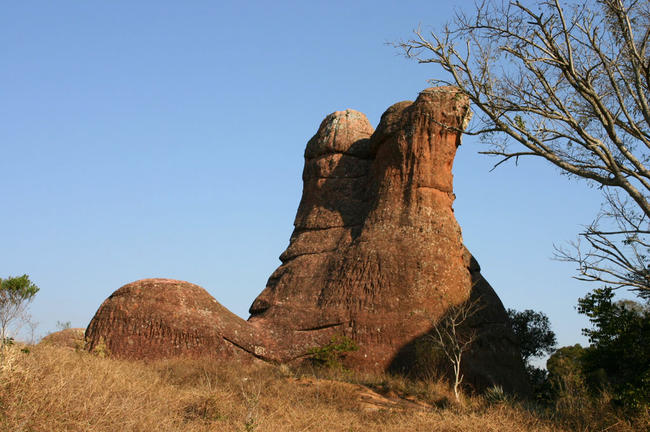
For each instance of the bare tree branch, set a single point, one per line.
(567, 81)
(454, 337)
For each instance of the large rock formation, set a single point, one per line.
(160, 318)
(376, 255)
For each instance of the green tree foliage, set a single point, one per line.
(566, 361)
(331, 355)
(15, 295)
(533, 329)
(619, 355)
(534, 332)
(617, 360)
(565, 375)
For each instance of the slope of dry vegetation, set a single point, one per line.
(57, 389)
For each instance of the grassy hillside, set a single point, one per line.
(51, 388)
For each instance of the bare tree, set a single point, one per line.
(453, 336)
(32, 326)
(568, 83)
(617, 256)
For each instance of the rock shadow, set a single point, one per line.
(493, 358)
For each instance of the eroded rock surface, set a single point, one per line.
(161, 318)
(376, 255)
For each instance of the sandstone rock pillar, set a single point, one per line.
(376, 255)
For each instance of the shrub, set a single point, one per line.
(332, 354)
(618, 358)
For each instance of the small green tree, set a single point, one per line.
(16, 293)
(332, 354)
(534, 332)
(619, 353)
(565, 374)
(566, 360)
(533, 329)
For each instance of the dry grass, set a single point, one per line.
(57, 389)
(66, 338)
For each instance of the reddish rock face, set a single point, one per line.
(160, 318)
(376, 255)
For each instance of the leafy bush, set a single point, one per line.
(616, 365)
(533, 329)
(101, 349)
(332, 354)
(565, 374)
(618, 358)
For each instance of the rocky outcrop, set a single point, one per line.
(72, 338)
(376, 255)
(376, 252)
(160, 318)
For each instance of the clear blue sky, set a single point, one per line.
(165, 139)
